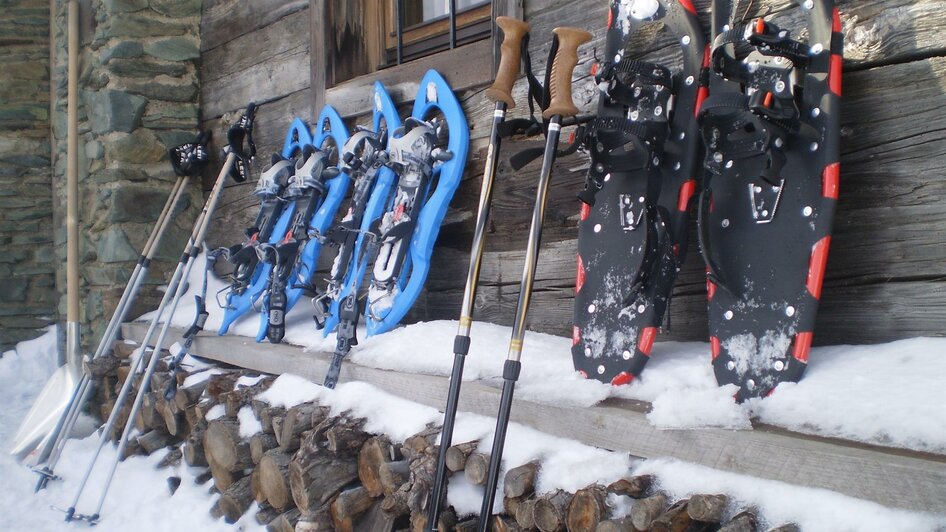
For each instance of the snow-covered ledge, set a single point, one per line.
(892, 477)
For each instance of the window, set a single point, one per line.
(355, 42)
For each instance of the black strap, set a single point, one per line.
(240, 143)
(191, 158)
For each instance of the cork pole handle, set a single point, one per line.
(560, 81)
(514, 31)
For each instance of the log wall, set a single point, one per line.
(886, 274)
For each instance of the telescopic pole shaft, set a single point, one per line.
(513, 365)
(514, 31)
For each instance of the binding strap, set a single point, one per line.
(191, 158)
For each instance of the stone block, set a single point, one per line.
(12, 290)
(170, 115)
(144, 68)
(113, 246)
(105, 276)
(122, 50)
(13, 256)
(173, 49)
(124, 6)
(20, 215)
(163, 88)
(134, 203)
(138, 26)
(112, 110)
(32, 237)
(109, 175)
(177, 8)
(140, 147)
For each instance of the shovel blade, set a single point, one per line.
(36, 430)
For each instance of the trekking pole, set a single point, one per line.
(237, 135)
(560, 87)
(501, 94)
(187, 160)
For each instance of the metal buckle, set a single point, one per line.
(764, 199)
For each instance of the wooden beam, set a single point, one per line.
(892, 477)
(317, 67)
(464, 68)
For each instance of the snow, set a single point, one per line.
(216, 412)
(886, 394)
(138, 498)
(249, 424)
(778, 503)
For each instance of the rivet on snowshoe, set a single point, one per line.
(790, 311)
(729, 164)
(597, 228)
(816, 112)
(730, 365)
(685, 40)
(779, 142)
(750, 384)
(817, 49)
(814, 146)
(627, 355)
(641, 199)
(725, 223)
(779, 365)
(718, 157)
(588, 352)
(689, 80)
(617, 58)
(728, 315)
(676, 166)
(641, 309)
(809, 4)
(592, 308)
(601, 370)
(607, 177)
(807, 211)
(779, 86)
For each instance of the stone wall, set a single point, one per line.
(27, 282)
(138, 97)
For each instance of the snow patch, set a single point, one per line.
(216, 412)
(704, 407)
(249, 425)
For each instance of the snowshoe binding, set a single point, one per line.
(317, 192)
(632, 233)
(364, 160)
(771, 130)
(429, 159)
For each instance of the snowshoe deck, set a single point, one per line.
(239, 301)
(328, 126)
(633, 226)
(350, 277)
(771, 129)
(389, 299)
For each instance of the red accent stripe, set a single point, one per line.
(688, 5)
(580, 275)
(610, 22)
(715, 348)
(583, 374)
(646, 342)
(710, 289)
(585, 211)
(687, 189)
(802, 346)
(622, 378)
(816, 266)
(830, 181)
(836, 23)
(834, 74)
(576, 337)
(703, 92)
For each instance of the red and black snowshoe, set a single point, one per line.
(644, 158)
(771, 132)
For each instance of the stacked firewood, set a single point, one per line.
(310, 470)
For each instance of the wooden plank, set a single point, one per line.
(224, 20)
(463, 68)
(892, 477)
(283, 37)
(318, 34)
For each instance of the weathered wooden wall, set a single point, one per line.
(887, 270)
(254, 51)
